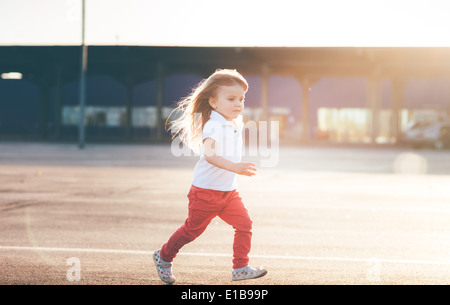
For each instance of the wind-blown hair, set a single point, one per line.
(194, 110)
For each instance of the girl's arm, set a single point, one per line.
(209, 148)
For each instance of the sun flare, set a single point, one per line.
(281, 23)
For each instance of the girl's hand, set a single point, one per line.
(246, 169)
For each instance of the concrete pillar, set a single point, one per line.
(373, 104)
(265, 75)
(305, 134)
(44, 110)
(58, 100)
(82, 94)
(159, 99)
(398, 87)
(129, 105)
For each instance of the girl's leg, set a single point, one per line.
(202, 209)
(193, 227)
(236, 215)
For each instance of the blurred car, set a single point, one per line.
(422, 133)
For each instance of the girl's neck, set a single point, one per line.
(229, 120)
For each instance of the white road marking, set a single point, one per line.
(282, 257)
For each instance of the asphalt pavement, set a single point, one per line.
(322, 215)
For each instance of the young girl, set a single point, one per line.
(211, 121)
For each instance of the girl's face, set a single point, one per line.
(228, 101)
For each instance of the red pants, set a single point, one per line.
(204, 205)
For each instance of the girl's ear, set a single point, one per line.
(212, 102)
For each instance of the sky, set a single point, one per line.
(245, 23)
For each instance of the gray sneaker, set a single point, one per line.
(163, 268)
(247, 272)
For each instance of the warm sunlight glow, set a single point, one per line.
(231, 23)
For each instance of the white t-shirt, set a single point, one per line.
(228, 143)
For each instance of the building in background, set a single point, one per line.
(358, 81)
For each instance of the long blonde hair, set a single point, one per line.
(194, 110)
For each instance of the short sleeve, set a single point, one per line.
(213, 130)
